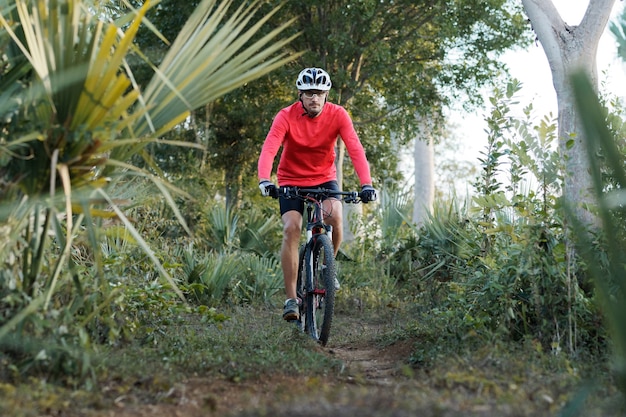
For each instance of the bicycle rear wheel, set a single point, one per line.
(320, 294)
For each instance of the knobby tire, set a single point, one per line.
(300, 287)
(320, 294)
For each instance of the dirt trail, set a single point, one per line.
(374, 379)
(370, 374)
(373, 365)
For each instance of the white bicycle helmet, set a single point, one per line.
(313, 79)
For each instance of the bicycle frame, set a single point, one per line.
(316, 269)
(312, 198)
(314, 227)
(315, 219)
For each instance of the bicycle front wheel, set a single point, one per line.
(301, 287)
(320, 294)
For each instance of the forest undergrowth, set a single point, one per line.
(382, 360)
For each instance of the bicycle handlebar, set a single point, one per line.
(317, 192)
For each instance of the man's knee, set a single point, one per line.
(333, 209)
(291, 230)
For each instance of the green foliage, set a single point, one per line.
(208, 278)
(608, 275)
(262, 233)
(618, 28)
(502, 262)
(389, 61)
(218, 278)
(221, 229)
(259, 281)
(442, 250)
(233, 258)
(363, 265)
(489, 186)
(224, 229)
(71, 121)
(146, 310)
(396, 50)
(83, 264)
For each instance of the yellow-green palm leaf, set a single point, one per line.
(211, 56)
(84, 118)
(82, 96)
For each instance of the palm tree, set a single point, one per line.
(72, 117)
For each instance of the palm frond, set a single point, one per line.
(83, 117)
(208, 59)
(142, 243)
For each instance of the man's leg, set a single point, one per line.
(334, 217)
(292, 229)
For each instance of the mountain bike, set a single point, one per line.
(316, 266)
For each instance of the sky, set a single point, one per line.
(531, 68)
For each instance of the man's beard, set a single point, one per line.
(311, 113)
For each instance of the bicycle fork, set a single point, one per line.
(315, 228)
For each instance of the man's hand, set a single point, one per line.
(368, 193)
(268, 189)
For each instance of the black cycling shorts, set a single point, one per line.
(297, 204)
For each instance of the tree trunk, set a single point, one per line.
(569, 49)
(341, 153)
(205, 140)
(424, 157)
(350, 211)
(233, 187)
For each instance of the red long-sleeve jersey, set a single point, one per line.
(308, 155)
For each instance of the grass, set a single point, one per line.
(258, 362)
(250, 343)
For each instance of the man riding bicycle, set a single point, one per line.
(308, 130)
